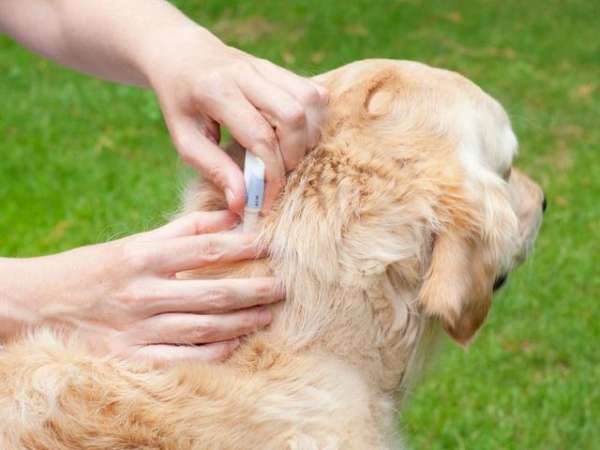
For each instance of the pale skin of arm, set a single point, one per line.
(132, 305)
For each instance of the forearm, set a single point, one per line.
(18, 306)
(201, 84)
(116, 40)
(48, 289)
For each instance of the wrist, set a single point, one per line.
(163, 54)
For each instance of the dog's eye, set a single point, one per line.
(506, 174)
(500, 281)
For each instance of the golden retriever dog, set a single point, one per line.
(398, 224)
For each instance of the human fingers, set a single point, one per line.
(311, 96)
(202, 153)
(169, 355)
(229, 106)
(213, 296)
(283, 112)
(195, 223)
(176, 328)
(191, 252)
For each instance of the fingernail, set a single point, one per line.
(229, 196)
(280, 291)
(323, 92)
(235, 219)
(264, 317)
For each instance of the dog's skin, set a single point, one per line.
(403, 217)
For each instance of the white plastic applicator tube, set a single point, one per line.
(254, 177)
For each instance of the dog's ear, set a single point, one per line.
(459, 284)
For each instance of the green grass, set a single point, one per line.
(84, 161)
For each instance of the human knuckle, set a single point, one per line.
(242, 67)
(206, 329)
(294, 116)
(217, 299)
(214, 79)
(197, 335)
(215, 84)
(200, 222)
(249, 320)
(200, 89)
(263, 138)
(216, 174)
(211, 250)
(309, 96)
(264, 134)
(323, 95)
(264, 288)
(131, 298)
(135, 256)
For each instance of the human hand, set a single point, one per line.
(123, 297)
(202, 84)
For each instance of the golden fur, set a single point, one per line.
(402, 216)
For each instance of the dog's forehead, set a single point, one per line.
(480, 127)
(476, 124)
(486, 141)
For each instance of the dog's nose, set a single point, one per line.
(544, 204)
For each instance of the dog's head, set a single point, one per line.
(442, 208)
(409, 206)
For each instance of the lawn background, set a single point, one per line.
(83, 161)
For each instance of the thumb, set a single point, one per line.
(200, 152)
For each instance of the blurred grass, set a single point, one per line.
(85, 161)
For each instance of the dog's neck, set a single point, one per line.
(371, 329)
(348, 314)
(355, 358)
